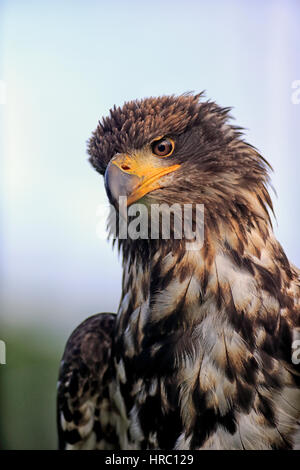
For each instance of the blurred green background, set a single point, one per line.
(28, 388)
(64, 63)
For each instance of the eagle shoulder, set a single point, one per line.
(83, 406)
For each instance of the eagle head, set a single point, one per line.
(180, 149)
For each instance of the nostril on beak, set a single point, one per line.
(125, 167)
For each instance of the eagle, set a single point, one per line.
(201, 352)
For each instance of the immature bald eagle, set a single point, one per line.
(200, 353)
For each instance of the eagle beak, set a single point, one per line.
(133, 177)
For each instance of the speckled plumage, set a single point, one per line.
(199, 355)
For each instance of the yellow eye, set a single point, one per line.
(163, 147)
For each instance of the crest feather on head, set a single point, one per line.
(140, 121)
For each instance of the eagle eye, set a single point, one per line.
(163, 147)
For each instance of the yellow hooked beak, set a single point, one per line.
(134, 176)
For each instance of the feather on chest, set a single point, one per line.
(200, 345)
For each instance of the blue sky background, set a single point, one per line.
(65, 63)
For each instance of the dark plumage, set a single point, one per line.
(199, 355)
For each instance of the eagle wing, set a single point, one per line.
(83, 407)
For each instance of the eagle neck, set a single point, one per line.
(169, 291)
